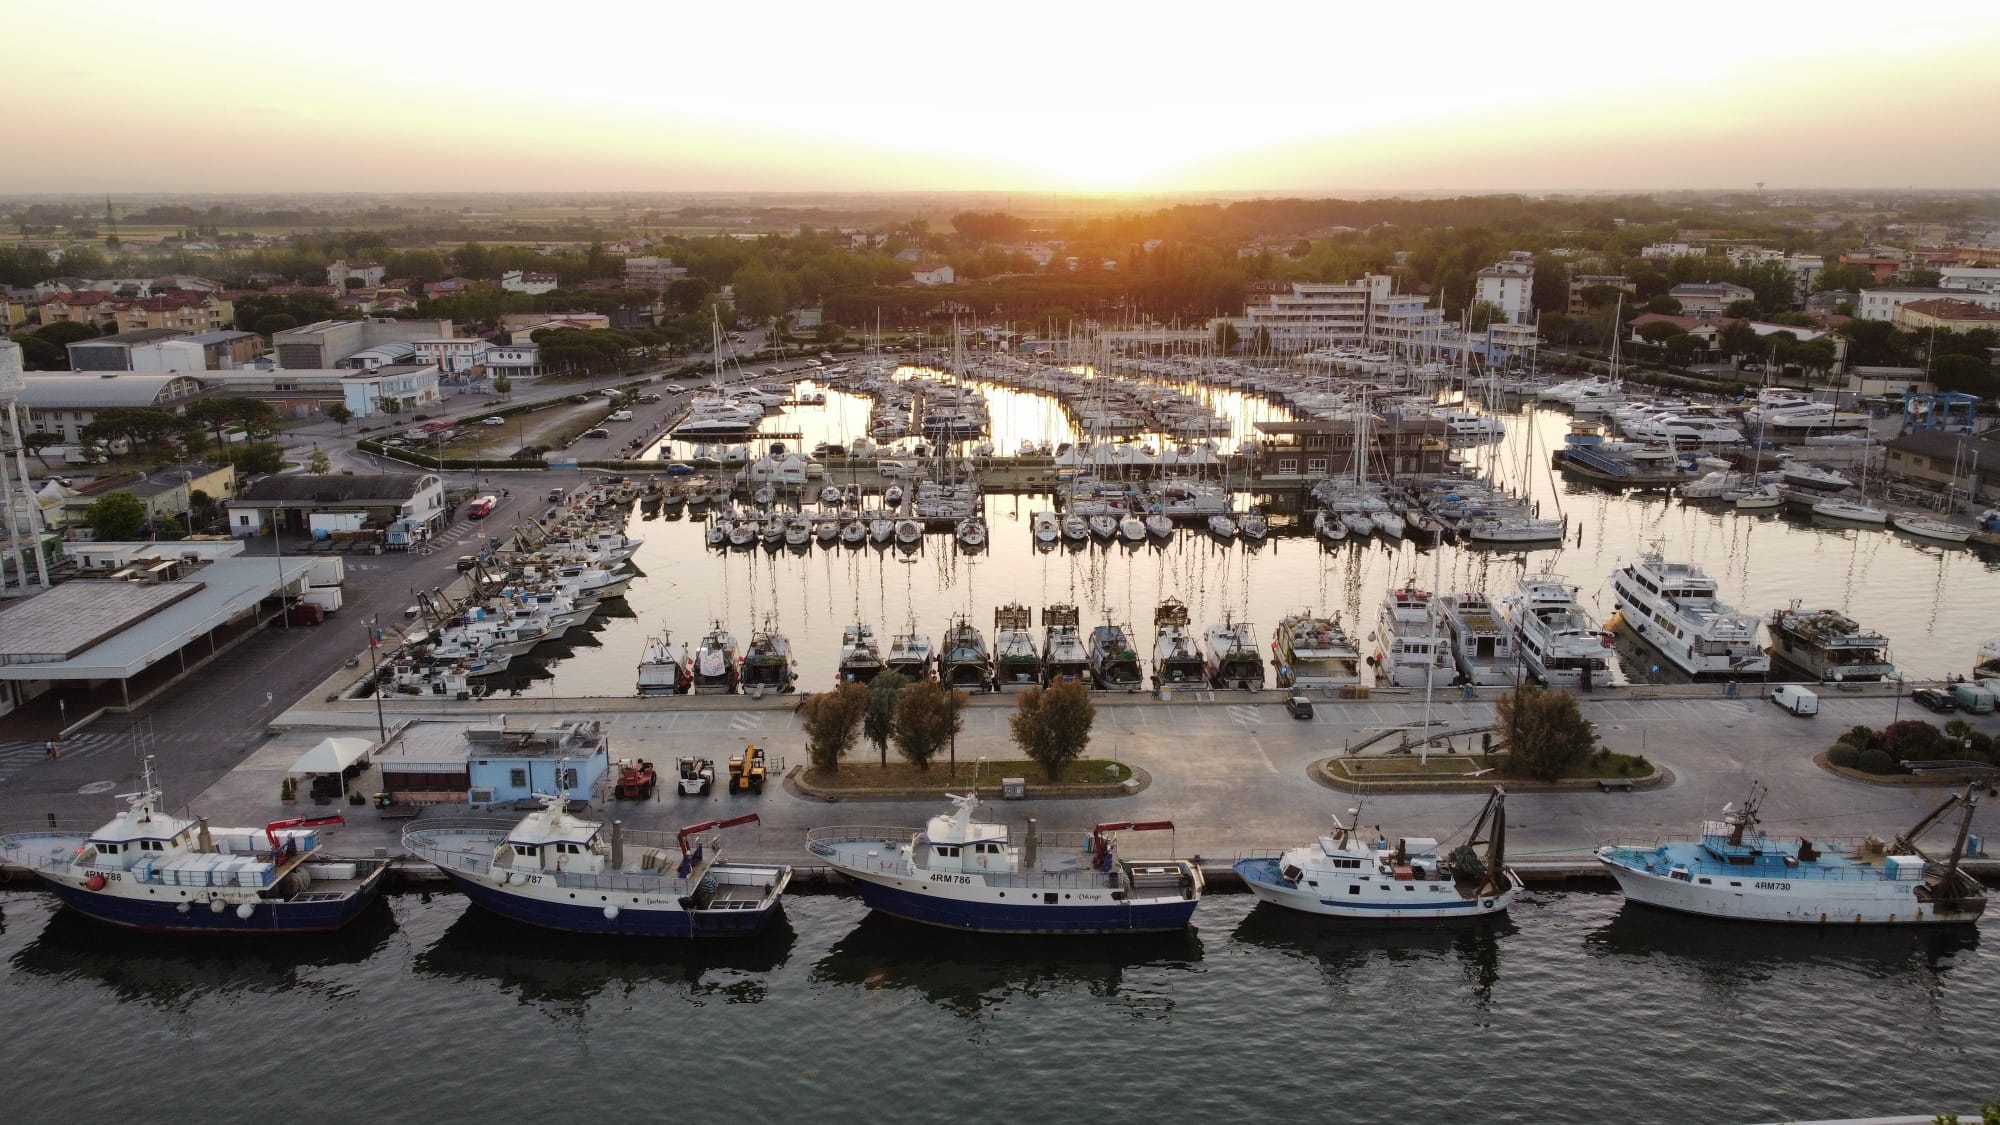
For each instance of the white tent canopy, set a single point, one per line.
(332, 755)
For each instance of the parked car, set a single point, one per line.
(1298, 707)
(579, 398)
(597, 432)
(674, 389)
(495, 420)
(1933, 699)
(649, 398)
(680, 470)
(467, 562)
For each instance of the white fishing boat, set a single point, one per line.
(714, 663)
(964, 662)
(860, 658)
(1413, 642)
(767, 660)
(1017, 664)
(1733, 870)
(1065, 659)
(911, 655)
(1938, 531)
(1177, 660)
(1674, 606)
(664, 667)
(1312, 650)
(1114, 662)
(1233, 655)
(1346, 876)
(1562, 645)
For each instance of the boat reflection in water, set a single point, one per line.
(972, 975)
(1346, 949)
(174, 971)
(1739, 954)
(565, 971)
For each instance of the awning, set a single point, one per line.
(332, 755)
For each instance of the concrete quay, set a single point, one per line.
(1231, 769)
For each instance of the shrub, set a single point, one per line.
(1859, 737)
(1877, 762)
(1913, 740)
(1844, 755)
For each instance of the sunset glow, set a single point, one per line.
(1038, 97)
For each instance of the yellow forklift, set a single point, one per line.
(746, 771)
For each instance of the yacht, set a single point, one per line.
(1313, 651)
(1177, 662)
(1159, 526)
(1253, 527)
(911, 655)
(1561, 645)
(1482, 647)
(1939, 531)
(1103, 525)
(1735, 871)
(1114, 663)
(881, 529)
(663, 669)
(1329, 527)
(909, 532)
(1222, 527)
(1826, 644)
(1347, 876)
(963, 662)
(1017, 664)
(1233, 657)
(1075, 529)
(1855, 509)
(1674, 607)
(1415, 645)
(1064, 657)
(860, 660)
(714, 663)
(853, 533)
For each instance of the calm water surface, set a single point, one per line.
(1572, 1008)
(1936, 604)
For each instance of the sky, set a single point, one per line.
(1083, 96)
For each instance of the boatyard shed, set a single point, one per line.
(491, 765)
(290, 500)
(1964, 465)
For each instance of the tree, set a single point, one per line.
(63, 333)
(1967, 374)
(38, 354)
(1547, 737)
(1663, 304)
(832, 719)
(390, 405)
(37, 441)
(1680, 349)
(339, 412)
(319, 463)
(760, 293)
(255, 457)
(1745, 309)
(1052, 725)
(1738, 338)
(1660, 331)
(271, 323)
(879, 725)
(116, 516)
(1227, 337)
(1484, 313)
(928, 715)
(502, 384)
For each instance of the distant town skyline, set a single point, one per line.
(223, 96)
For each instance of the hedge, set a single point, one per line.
(1875, 761)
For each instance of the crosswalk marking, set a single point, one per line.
(16, 755)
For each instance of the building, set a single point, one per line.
(1583, 281)
(1310, 451)
(167, 493)
(1709, 298)
(454, 355)
(290, 500)
(97, 309)
(146, 349)
(1881, 266)
(1963, 466)
(1970, 277)
(328, 343)
(370, 274)
(1337, 314)
(1882, 303)
(520, 281)
(413, 386)
(186, 283)
(1806, 270)
(64, 404)
(13, 314)
(519, 324)
(933, 275)
(188, 312)
(429, 763)
(1509, 286)
(1947, 313)
(652, 273)
(227, 349)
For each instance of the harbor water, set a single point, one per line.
(1936, 604)
(1574, 1008)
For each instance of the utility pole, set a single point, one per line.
(375, 671)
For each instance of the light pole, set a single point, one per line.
(375, 673)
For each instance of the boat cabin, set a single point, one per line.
(955, 842)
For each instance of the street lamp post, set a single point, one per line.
(375, 673)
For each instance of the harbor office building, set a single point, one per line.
(1308, 452)
(442, 763)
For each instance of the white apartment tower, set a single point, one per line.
(1510, 286)
(1346, 313)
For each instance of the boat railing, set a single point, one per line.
(1854, 854)
(34, 847)
(821, 841)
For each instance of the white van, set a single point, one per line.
(890, 467)
(620, 416)
(1795, 699)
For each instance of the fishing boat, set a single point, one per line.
(911, 654)
(860, 660)
(664, 667)
(1114, 663)
(1733, 870)
(1828, 645)
(1017, 665)
(1562, 645)
(1232, 655)
(1064, 657)
(965, 874)
(1482, 646)
(1045, 527)
(714, 663)
(561, 872)
(1674, 606)
(1938, 531)
(767, 660)
(147, 869)
(1345, 876)
(1177, 660)
(1414, 644)
(963, 662)
(1312, 650)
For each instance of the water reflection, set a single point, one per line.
(563, 973)
(1344, 948)
(968, 974)
(171, 972)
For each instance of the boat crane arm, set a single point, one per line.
(271, 829)
(1906, 842)
(730, 822)
(1133, 826)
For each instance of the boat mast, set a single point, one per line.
(1496, 844)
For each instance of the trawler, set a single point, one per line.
(1414, 646)
(664, 669)
(767, 662)
(1561, 645)
(1177, 662)
(1016, 663)
(1232, 656)
(1482, 647)
(860, 661)
(1826, 644)
(1674, 607)
(964, 663)
(911, 655)
(1114, 663)
(1313, 651)
(1064, 659)
(714, 665)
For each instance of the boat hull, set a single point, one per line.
(634, 919)
(991, 915)
(163, 915)
(1862, 902)
(1263, 879)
